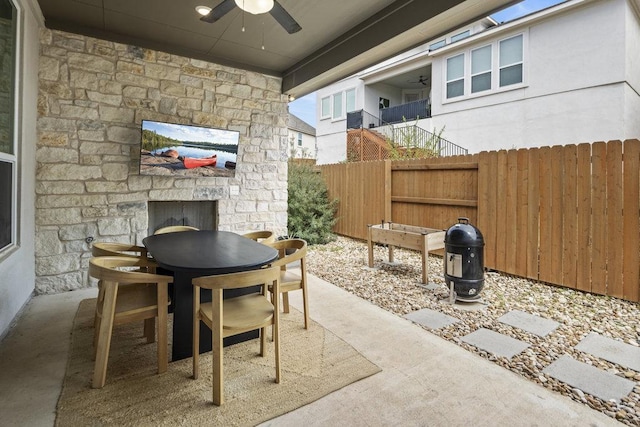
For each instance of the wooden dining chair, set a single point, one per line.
(127, 296)
(233, 316)
(289, 251)
(127, 250)
(175, 228)
(262, 236)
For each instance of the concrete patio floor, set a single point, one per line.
(425, 380)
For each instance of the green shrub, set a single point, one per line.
(311, 213)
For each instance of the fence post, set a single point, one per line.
(387, 189)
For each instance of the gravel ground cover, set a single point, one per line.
(396, 288)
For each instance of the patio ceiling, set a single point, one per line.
(338, 38)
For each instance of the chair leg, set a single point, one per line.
(96, 320)
(305, 302)
(276, 343)
(263, 340)
(150, 330)
(163, 346)
(104, 336)
(196, 333)
(216, 340)
(285, 302)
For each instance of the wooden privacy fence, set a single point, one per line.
(565, 215)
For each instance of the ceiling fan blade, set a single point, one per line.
(219, 11)
(284, 19)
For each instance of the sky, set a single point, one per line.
(305, 107)
(193, 133)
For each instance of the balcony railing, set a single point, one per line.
(405, 112)
(388, 116)
(407, 137)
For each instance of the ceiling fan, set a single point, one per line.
(277, 11)
(422, 80)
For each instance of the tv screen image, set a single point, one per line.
(172, 149)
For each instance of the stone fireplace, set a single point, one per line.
(200, 214)
(93, 95)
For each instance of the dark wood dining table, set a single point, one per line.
(191, 254)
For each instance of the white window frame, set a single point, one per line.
(521, 62)
(464, 77)
(343, 98)
(299, 139)
(495, 69)
(337, 115)
(322, 112)
(483, 71)
(460, 36)
(349, 93)
(13, 158)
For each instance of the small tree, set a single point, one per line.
(311, 213)
(404, 143)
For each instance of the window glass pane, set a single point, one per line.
(350, 100)
(455, 88)
(7, 47)
(460, 36)
(436, 45)
(511, 75)
(480, 82)
(299, 138)
(481, 60)
(337, 105)
(511, 51)
(325, 107)
(455, 67)
(6, 202)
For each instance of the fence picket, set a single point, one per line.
(631, 220)
(615, 232)
(522, 214)
(546, 224)
(585, 243)
(570, 216)
(511, 208)
(533, 204)
(557, 181)
(599, 218)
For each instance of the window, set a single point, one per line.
(437, 45)
(460, 36)
(337, 106)
(325, 108)
(511, 61)
(8, 158)
(481, 69)
(350, 100)
(486, 69)
(455, 76)
(299, 139)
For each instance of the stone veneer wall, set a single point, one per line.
(93, 96)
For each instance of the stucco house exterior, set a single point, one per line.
(566, 74)
(302, 138)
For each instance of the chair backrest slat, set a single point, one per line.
(243, 279)
(105, 268)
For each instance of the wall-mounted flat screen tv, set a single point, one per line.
(171, 149)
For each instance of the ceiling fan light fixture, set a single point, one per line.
(255, 7)
(203, 10)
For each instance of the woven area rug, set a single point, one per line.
(314, 363)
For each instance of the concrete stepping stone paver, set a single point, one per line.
(611, 350)
(589, 379)
(496, 343)
(432, 319)
(529, 322)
